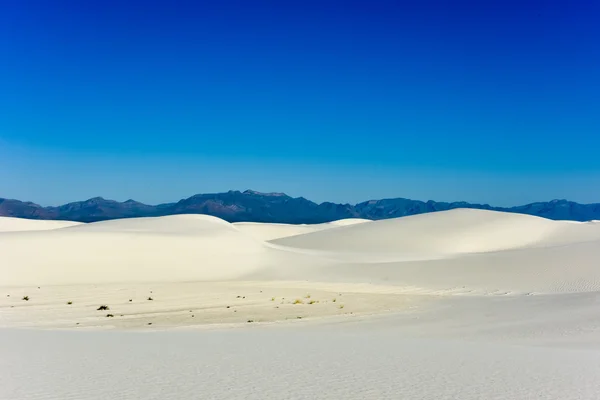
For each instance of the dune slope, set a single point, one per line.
(460, 231)
(174, 248)
(453, 252)
(266, 231)
(9, 224)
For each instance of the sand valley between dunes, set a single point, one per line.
(463, 304)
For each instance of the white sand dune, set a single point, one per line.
(264, 231)
(10, 224)
(174, 248)
(466, 251)
(463, 304)
(446, 233)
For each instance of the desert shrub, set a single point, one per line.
(109, 315)
(69, 302)
(150, 298)
(298, 301)
(26, 298)
(103, 308)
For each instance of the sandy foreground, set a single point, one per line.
(462, 304)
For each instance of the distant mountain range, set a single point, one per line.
(236, 206)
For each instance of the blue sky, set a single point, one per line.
(343, 101)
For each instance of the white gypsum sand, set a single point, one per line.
(463, 304)
(10, 224)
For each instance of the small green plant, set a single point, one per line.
(312, 302)
(250, 321)
(109, 315)
(272, 298)
(334, 300)
(298, 301)
(341, 306)
(103, 308)
(26, 298)
(69, 302)
(307, 296)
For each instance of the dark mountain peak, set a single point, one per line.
(95, 200)
(270, 194)
(131, 202)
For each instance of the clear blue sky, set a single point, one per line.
(487, 101)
